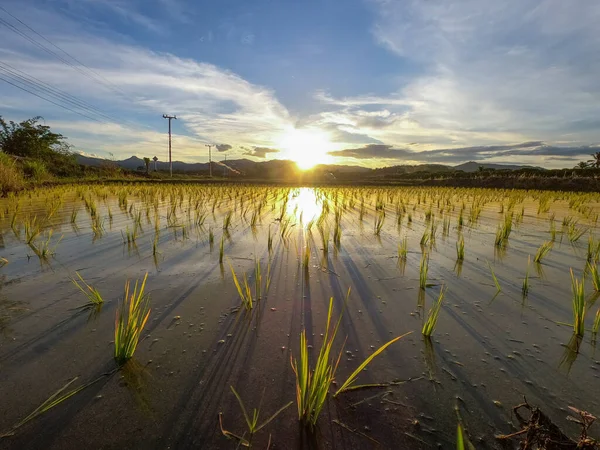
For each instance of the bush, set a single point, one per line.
(11, 178)
(35, 170)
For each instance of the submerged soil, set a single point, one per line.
(488, 350)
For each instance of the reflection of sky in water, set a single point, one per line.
(304, 204)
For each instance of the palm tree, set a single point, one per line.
(596, 161)
(147, 162)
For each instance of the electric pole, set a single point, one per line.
(165, 116)
(209, 160)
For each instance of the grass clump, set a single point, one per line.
(403, 249)
(432, 315)
(312, 386)
(525, 288)
(578, 304)
(251, 421)
(504, 230)
(92, 294)
(423, 269)
(543, 251)
(130, 319)
(460, 248)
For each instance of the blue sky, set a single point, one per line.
(367, 82)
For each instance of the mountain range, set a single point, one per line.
(253, 168)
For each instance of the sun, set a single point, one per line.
(306, 147)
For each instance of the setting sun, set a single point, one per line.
(307, 147)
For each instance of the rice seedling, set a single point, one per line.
(578, 304)
(54, 400)
(130, 318)
(460, 440)
(403, 249)
(211, 238)
(251, 421)
(433, 314)
(426, 238)
(496, 283)
(503, 231)
(44, 249)
(460, 248)
(324, 233)
(92, 294)
(227, 220)
(446, 226)
(525, 287)
(74, 212)
(593, 250)
(244, 291)
(221, 249)
(32, 229)
(312, 386)
(593, 270)
(3, 262)
(379, 222)
(423, 269)
(574, 233)
(541, 253)
(596, 325)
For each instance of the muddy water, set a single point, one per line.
(487, 352)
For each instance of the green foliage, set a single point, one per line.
(36, 170)
(130, 319)
(11, 178)
(29, 139)
(433, 314)
(578, 304)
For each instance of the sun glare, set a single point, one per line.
(307, 147)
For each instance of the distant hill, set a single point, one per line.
(472, 166)
(281, 168)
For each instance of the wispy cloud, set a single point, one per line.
(260, 152)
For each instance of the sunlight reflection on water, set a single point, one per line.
(304, 205)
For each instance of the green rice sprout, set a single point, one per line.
(498, 288)
(460, 248)
(130, 319)
(227, 221)
(543, 251)
(423, 269)
(593, 250)
(32, 229)
(575, 233)
(55, 399)
(43, 249)
(503, 231)
(460, 440)
(3, 262)
(525, 288)
(426, 238)
(578, 304)
(433, 314)
(593, 270)
(403, 249)
(312, 386)
(244, 291)
(91, 293)
(379, 222)
(596, 326)
(252, 420)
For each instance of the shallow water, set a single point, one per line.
(487, 352)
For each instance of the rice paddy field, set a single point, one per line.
(146, 316)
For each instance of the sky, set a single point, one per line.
(357, 82)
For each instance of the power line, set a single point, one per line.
(94, 75)
(166, 116)
(39, 85)
(48, 100)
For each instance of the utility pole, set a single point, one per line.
(209, 160)
(165, 116)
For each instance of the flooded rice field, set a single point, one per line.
(235, 316)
